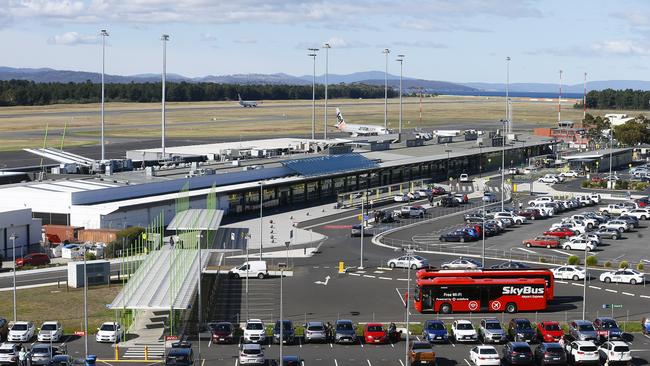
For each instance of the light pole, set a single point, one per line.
(386, 51)
(282, 266)
(13, 238)
(313, 94)
(503, 159)
(199, 310)
(448, 173)
(86, 308)
(164, 38)
(483, 233)
(248, 240)
(610, 182)
(327, 47)
(584, 286)
(508, 91)
(261, 217)
(362, 227)
(400, 59)
(409, 253)
(104, 34)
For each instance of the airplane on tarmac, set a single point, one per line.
(358, 130)
(448, 133)
(246, 103)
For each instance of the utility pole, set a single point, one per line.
(313, 94)
(400, 59)
(164, 38)
(386, 51)
(13, 238)
(261, 217)
(327, 47)
(104, 34)
(508, 91)
(409, 253)
(559, 102)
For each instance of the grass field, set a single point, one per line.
(53, 303)
(24, 126)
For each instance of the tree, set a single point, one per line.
(632, 133)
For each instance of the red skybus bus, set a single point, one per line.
(543, 273)
(464, 294)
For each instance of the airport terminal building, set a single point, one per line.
(135, 198)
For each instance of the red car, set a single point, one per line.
(375, 333)
(478, 228)
(35, 259)
(560, 232)
(549, 332)
(531, 214)
(642, 202)
(437, 191)
(542, 241)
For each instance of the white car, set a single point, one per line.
(589, 237)
(579, 229)
(401, 198)
(579, 352)
(462, 263)
(569, 273)
(549, 179)
(569, 174)
(542, 199)
(412, 211)
(409, 261)
(463, 331)
(587, 220)
(9, 354)
(509, 215)
(484, 356)
(109, 332)
(21, 332)
(619, 225)
(639, 213)
(615, 352)
(630, 276)
(254, 331)
(51, 331)
(578, 244)
(614, 208)
(251, 354)
(544, 211)
(463, 178)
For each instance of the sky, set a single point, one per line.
(450, 40)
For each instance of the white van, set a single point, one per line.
(250, 269)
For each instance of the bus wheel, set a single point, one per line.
(445, 309)
(511, 308)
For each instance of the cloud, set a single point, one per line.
(621, 48)
(419, 44)
(334, 42)
(245, 41)
(208, 37)
(72, 39)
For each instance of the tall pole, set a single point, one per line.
(164, 38)
(86, 309)
(104, 34)
(584, 288)
(503, 159)
(13, 238)
(248, 240)
(508, 91)
(362, 222)
(386, 51)
(327, 47)
(313, 94)
(281, 313)
(559, 101)
(261, 216)
(400, 59)
(409, 252)
(584, 99)
(198, 288)
(610, 182)
(483, 234)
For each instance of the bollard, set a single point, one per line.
(117, 352)
(146, 353)
(341, 267)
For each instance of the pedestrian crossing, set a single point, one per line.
(154, 351)
(470, 188)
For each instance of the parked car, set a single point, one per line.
(9, 353)
(510, 265)
(41, 354)
(401, 198)
(222, 332)
(254, 331)
(582, 352)
(619, 225)
(457, 235)
(579, 244)
(607, 329)
(517, 353)
(421, 353)
(630, 220)
(542, 241)
(409, 261)
(583, 330)
(639, 213)
(315, 332)
(50, 331)
(110, 332)
(569, 273)
(560, 232)
(549, 331)
(489, 197)
(4, 329)
(530, 214)
(34, 259)
(344, 332)
(462, 263)
(62, 360)
(613, 208)
(484, 356)
(463, 331)
(608, 233)
(291, 361)
(375, 333)
(626, 275)
(449, 202)
(463, 178)
(615, 352)
(435, 331)
(521, 330)
(549, 354)
(251, 354)
(490, 331)
(21, 331)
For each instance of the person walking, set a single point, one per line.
(22, 356)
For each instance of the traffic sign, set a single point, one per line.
(79, 333)
(612, 306)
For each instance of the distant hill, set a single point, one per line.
(551, 88)
(429, 86)
(250, 79)
(355, 77)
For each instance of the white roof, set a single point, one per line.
(217, 148)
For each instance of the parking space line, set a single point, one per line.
(577, 284)
(336, 362)
(594, 287)
(354, 274)
(561, 252)
(400, 296)
(369, 276)
(361, 344)
(558, 281)
(527, 250)
(627, 293)
(609, 290)
(645, 296)
(392, 345)
(385, 278)
(402, 279)
(467, 362)
(400, 362)
(369, 364)
(210, 343)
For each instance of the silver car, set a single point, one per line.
(41, 354)
(583, 330)
(315, 332)
(490, 331)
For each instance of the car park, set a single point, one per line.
(549, 354)
(625, 275)
(582, 352)
(457, 235)
(50, 331)
(607, 329)
(549, 331)
(344, 332)
(484, 356)
(569, 273)
(521, 330)
(109, 332)
(490, 331)
(615, 353)
(542, 241)
(375, 333)
(21, 331)
(315, 331)
(463, 331)
(254, 331)
(517, 353)
(9, 353)
(462, 263)
(435, 331)
(409, 261)
(222, 332)
(251, 354)
(583, 330)
(421, 353)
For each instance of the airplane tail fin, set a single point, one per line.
(340, 122)
(239, 96)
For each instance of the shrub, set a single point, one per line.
(623, 264)
(542, 260)
(639, 266)
(592, 260)
(90, 256)
(608, 264)
(623, 184)
(573, 260)
(585, 184)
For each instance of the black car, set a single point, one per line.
(520, 330)
(510, 265)
(4, 329)
(458, 235)
(449, 202)
(179, 357)
(62, 360)
(288, 332)
(549, 354)
(384, 217)
(517, 353)
(630, 219)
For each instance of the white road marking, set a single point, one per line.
(645, 296)
(335, 362)
(577, 284)
(354, 274)
(236, 361)
(400, 362)
(609, 290)
(560, 252)
(369, 364)
(402, 279)
(361, 344)
(527, 250)
(210, 343)
(594, 287)
(627, 293)
(385, 278)
(558, 281)
(392, 345)
(467, 362)
(369, 276)
(400, 296)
